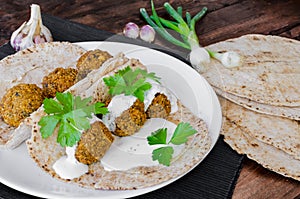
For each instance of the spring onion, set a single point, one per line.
(229, 59)
(199, 57)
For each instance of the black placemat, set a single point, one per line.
(215, 177)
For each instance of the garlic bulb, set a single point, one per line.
(31, 32)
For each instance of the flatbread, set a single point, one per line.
(282, 111)
(45, 152)
(270, 73)
(268, 156)
(30, 66)
(279, 132)
(93, 85)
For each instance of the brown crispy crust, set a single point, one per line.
(93, 143)
(131, 120)
(89, 61)
(58, 80)
(19, 102)
(160, 107)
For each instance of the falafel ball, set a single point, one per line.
(19, 102)
(58, 80)
(131, 120)
(160, 107)
(93, 143)
(89, 61)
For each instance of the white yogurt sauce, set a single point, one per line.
(68, 167)
(132, 151)
(158, 88)
(116, 107)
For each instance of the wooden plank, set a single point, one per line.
(258, 182)
(264, 17)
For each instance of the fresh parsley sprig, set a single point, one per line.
(180, 136)
(130, 82)
(70, 115)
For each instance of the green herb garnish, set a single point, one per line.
(180, 136)
(70, 114)
(130, 82)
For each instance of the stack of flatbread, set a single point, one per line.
(261, 100)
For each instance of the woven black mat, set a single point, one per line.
(215, 177)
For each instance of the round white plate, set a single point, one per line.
(19, 171)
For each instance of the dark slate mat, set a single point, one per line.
(215, 177)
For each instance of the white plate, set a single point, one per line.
(19, 171)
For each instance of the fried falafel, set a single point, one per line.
(58, 80)
(93, 143)
(160, 107)
(89, 61)
(131, 120)
(19, 102)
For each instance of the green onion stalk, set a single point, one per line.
(199, 57)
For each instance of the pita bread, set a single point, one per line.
(30, 66)
(46, 152)
(282, 111)
(93, 85)
(270, 73)
(268, 156)
(281, 133)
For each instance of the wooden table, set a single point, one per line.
(225, 19)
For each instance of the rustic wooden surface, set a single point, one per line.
(225, 19)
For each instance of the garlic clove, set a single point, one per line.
(147, 33)
(31, 32)
(131, 30)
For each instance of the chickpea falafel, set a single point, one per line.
(58, 80)
(89, 61)
(19, 102)
(93, 143)
(160, 107)
(131, 120)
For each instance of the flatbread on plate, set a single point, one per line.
(46, 152)
(30, 66)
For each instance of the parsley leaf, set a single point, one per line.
(180, 136)
(70, 114)
(181, 133)
(158, 137)
(52, 106)
(48, 124)
(163, 155)
(130, 82)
